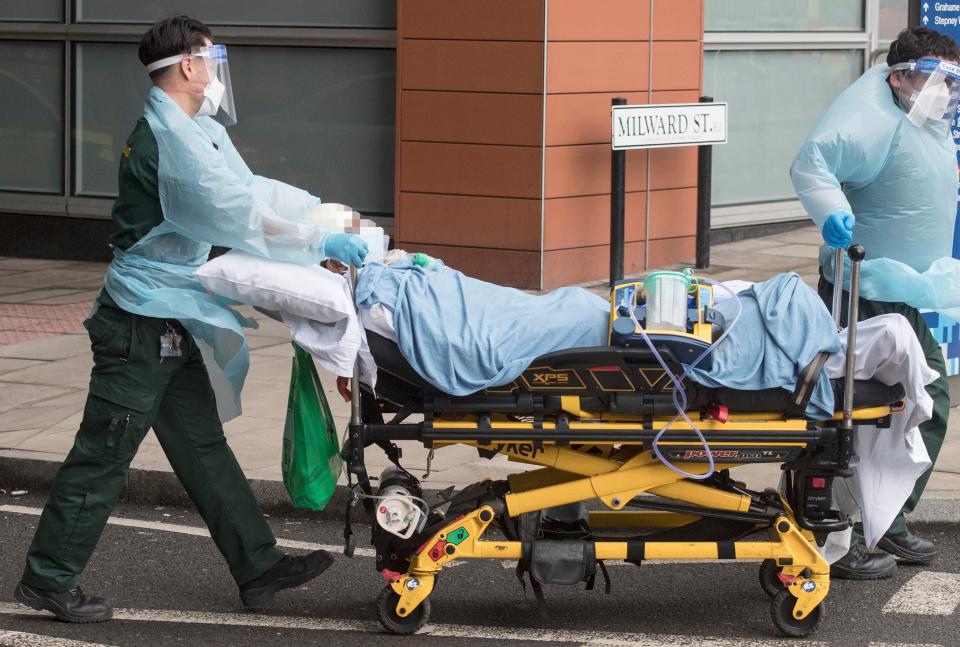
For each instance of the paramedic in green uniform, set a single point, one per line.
(880, 170)
(148, 370)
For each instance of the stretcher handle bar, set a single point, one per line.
(355, 418)
(856, 254)
(837, 286)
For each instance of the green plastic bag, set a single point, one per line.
(311, 452)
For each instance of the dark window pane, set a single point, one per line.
(321, 119)
(31, 116)
(318, 118)
(111, 87)
(294, 13)
(32, 10)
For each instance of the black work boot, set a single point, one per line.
(285, 574)
(68, 606)
(860, 565)
(908, 547)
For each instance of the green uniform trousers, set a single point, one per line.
(933, 430)
(132, 390)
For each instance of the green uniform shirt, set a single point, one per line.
(137, 209)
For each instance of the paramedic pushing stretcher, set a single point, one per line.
(880, 169)
(167, 354)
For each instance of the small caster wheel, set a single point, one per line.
(403, 626)
(769, 578)
(781, 610)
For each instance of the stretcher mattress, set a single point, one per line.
(599, 376)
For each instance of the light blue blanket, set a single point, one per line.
(783, 326)
(463, 335)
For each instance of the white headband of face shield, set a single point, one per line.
(215, 52)
(164, 62)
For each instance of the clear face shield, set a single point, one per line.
(929, 90)
(218, 99)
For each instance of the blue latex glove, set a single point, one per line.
(346, 248)
(838, 229)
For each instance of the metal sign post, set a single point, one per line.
(618, 191)
(662, 126)
(704, 177)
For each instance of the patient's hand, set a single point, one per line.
(343, 387)
(334, 266)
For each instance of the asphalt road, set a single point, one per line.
(172, 588)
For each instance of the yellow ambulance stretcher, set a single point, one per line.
(588, 418)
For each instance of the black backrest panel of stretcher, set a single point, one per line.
(606, 378)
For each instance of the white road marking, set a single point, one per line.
(500, 634)
(927, 593)
(195, 531)
(20, 639)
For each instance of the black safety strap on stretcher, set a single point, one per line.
(537, 589)
(805, 385)
(606, 579)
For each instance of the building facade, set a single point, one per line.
(476, 131)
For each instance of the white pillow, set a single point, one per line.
(308, 291)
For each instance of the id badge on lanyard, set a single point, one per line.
(171, 343)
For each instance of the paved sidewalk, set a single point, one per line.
(45, 363)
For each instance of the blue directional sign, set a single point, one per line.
(942, 16)
(945, 18)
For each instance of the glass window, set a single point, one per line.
(893, 18)
(303, 13)
(775, 97)
(783, 15)
(31, 116)
(111, 88)
(319, 118)
(322, 119)
(32, 10)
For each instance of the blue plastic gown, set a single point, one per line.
(208, 196)
(463, 335)
(782, 327)
(899, 180)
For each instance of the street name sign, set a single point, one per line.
(669, 124)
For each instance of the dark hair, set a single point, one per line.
(169, 37)
(918, 42)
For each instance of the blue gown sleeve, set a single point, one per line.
(209, 194)
(850, 145)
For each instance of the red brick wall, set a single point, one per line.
(503, 159)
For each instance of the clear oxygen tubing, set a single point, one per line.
(679, 395)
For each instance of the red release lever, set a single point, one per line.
(391, 576)
(720, 413)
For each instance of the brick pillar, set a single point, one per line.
(503, 125)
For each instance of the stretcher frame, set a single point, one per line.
(608, 458)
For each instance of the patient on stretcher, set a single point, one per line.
(435, 328)
(463, 335)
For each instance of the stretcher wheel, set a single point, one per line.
(769, 580)
(781, 610)
(387, 614)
